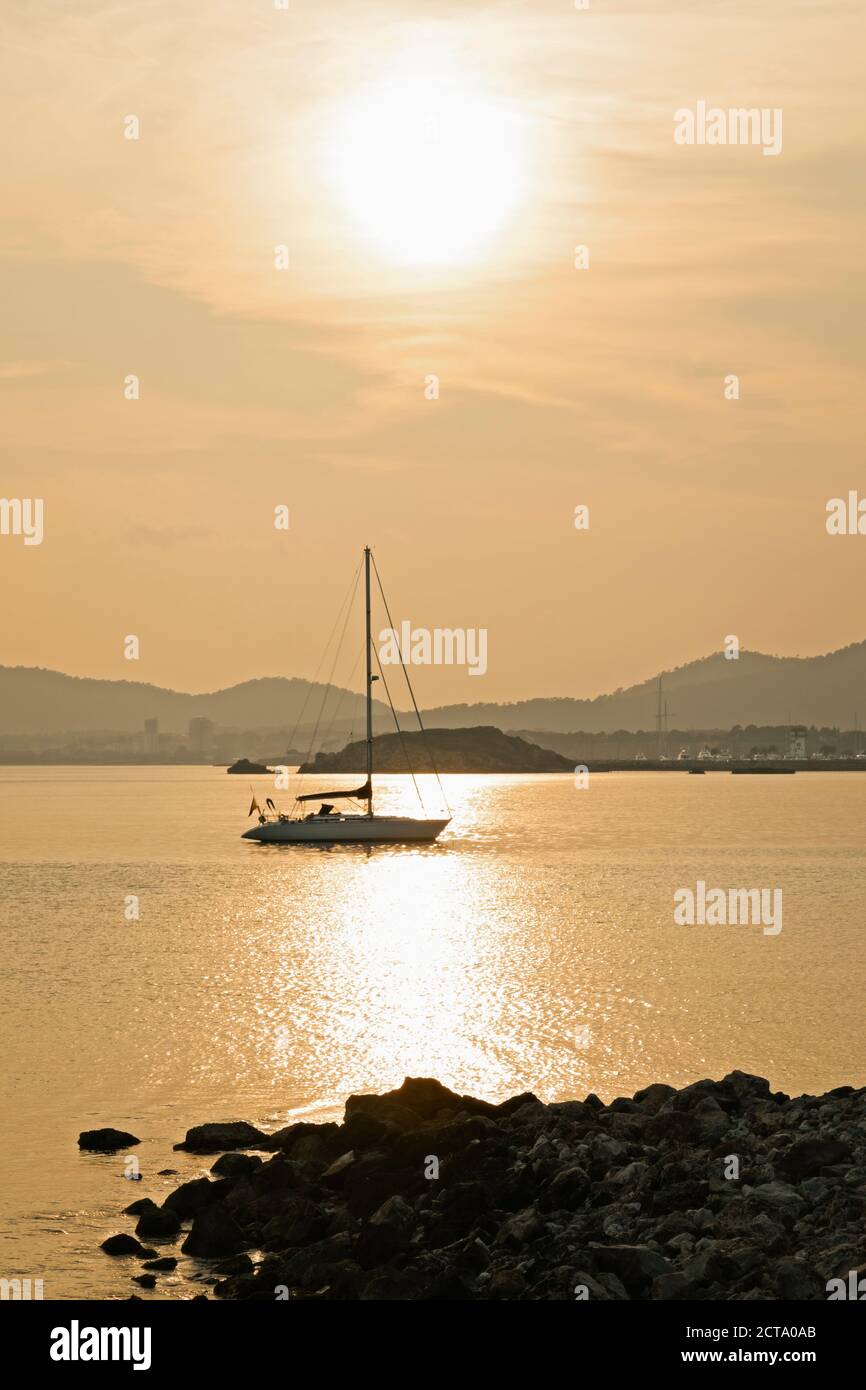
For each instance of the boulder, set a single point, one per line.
(796, 1283)
(158, 1221)
(778, 1198)
(136, 1208)
(747, 1087)
(652, 1098)
(300, 1223)
(521, 1229)
(806, 1157)
(336, 1174)
(304, 1141)
(124, 1244)
(364, 1131)
(388, 1232)
(568, 1190)
(422, 1097)
(635, 1265)
(106, 1140)
(214, 1232)
(223, 1135)
(191, 1196)
(235, 1265)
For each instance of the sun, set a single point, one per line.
(428, 169)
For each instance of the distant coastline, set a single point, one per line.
(595, 765)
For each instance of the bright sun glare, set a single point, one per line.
(427, 168)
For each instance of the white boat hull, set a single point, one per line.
(346, 830)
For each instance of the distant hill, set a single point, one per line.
(449, 750)
(711, 693)
(36, 701)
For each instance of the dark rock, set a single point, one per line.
(158, 1221)
(214, 1232)
(652, 1098)
(165, 1262)
(583, 1286)
(192, 1196)
(303, 1141)
(568, 1190)
(365, 1131)
(422, 1097)
(279, 1175)
(388, 1231)
(635, 1265)
(371, 1180)
(335, 1175)
(746, 1086)
(508, 1107)
(807, 1157)
(301, 1223)
(507, 1284)
(520, 1229)
(223, 1135)
(136, 1208)
(123, 1244)
(777, 1198)
(237, 1264)
(147, 1281)
(106, 1140)
(236, 1165)
(394, 1286)
(796, 1283)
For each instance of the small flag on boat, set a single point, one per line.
(254, 806)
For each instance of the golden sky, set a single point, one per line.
(424, 244)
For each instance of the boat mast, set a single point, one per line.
(368, 651)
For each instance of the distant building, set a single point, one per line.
(151, 736)
(201, 737)
(797, 741)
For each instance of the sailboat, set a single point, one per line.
(329, 826)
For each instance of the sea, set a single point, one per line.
(159, 971)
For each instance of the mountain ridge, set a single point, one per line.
(709, 692)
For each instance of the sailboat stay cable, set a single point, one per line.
(333, 665)
(326, 733)
(400, 733)
(347, 690)
(409, 686)
(347, 600)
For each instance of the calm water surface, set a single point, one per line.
(532, 948)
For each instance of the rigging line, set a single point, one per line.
(346, 691)
(353, 584)
(400, 732)
(333, 665)
(409, 685)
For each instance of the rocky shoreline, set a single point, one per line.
(721, 1190)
